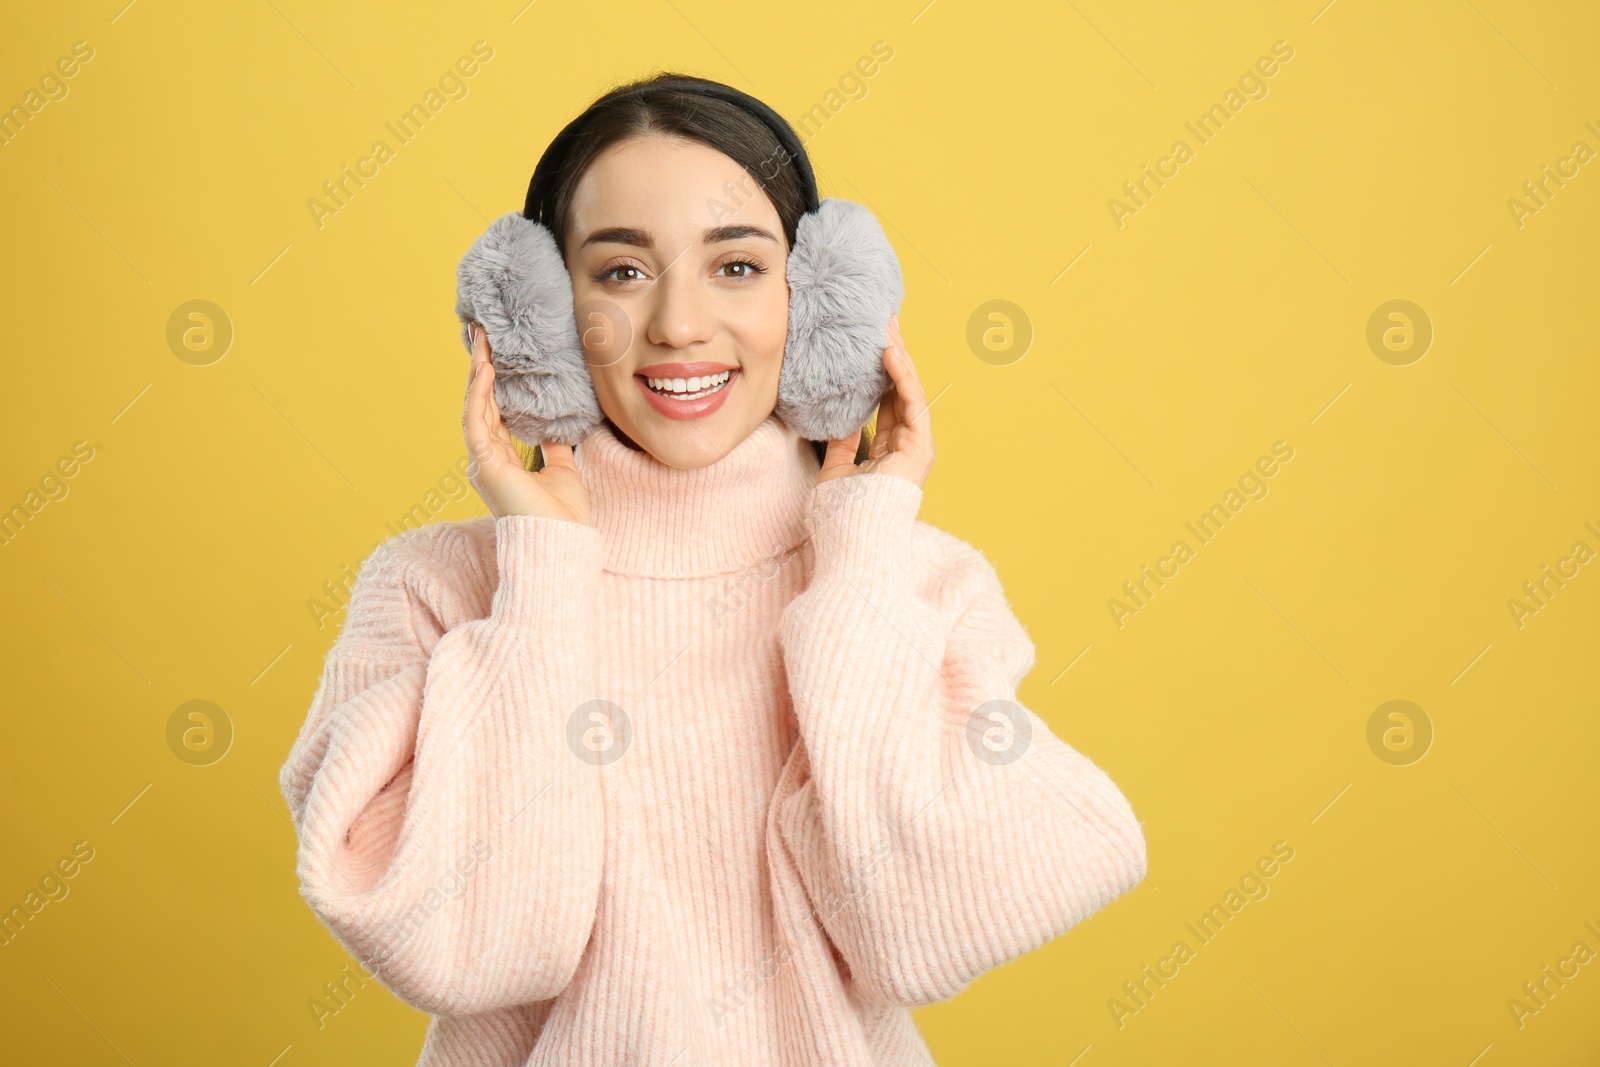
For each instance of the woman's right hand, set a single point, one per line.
(495, 469)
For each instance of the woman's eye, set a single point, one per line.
(743, 269)
(611, 274)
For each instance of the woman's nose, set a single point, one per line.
(680, 314)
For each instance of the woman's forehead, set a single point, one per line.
(667, 185)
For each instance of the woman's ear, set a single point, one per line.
(844, 283)
(513, 282)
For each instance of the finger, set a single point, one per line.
(472, 352)
(480, 342)
(472, 423)
(502, 432)
(496, 419)
(896, 333)
(914, 413)
(891, 412)
(482, 355)
(557, 455)
(898, 341)
(841, 452)
(472, 392)
(491, 442)
(905, 352)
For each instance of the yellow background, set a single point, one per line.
(1229, 313)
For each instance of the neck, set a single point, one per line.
(659, 521)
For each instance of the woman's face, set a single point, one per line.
(677, 260)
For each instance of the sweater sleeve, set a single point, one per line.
(944, 825)
(448, 835)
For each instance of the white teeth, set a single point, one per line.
(688, 388)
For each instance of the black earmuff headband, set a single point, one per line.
(554, 159)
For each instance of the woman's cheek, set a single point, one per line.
(609, 331)
(764, 331)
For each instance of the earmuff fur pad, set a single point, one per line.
(513, 283)
(844, 283)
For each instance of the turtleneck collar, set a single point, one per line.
(657, 521)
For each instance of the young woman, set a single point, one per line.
(701, 748)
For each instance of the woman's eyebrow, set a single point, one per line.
(619, 235)
(631, 235)
(719, 234)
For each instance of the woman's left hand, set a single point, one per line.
(903, 443)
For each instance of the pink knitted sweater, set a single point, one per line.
(733, 776)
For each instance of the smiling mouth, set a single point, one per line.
(689, 388)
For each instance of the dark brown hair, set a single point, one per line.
(637, 110)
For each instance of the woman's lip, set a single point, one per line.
(686, 409)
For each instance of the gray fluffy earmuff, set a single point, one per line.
(844, 283)
(512, 283)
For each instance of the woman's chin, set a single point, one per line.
(690, 443)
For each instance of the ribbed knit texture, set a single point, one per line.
(787, 837)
